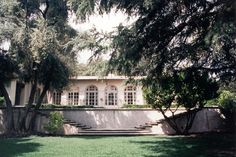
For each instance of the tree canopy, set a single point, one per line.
(175, 35)
(182, 47)
(39, 37)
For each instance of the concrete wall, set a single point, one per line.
(11, 89)
(114, 118)
(2, 124)
(207, 120)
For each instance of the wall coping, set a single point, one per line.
(100, 109)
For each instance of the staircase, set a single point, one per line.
(71, 127)
(81, 129)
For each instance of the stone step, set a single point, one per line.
(113, 129)
(73, 123)
(80, 125)
(68, 122)
(110, 133)
(140, 127)
(85, 127)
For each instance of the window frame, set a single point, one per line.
(130, 95)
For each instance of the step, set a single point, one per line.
(114, 133)
(113, 129)
(68, 122)
(85, 127)
(72, 123)
(140, 127)
(80, 125)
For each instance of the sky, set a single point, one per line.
(102, 23)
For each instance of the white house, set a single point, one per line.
(108, 92)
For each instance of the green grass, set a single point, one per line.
(119, 146)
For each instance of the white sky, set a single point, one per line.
(102, 23)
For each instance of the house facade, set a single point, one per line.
(108, 92)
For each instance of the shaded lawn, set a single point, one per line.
(120, 146)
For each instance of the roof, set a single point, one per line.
(109, 77)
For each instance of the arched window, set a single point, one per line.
(111, 95)
(92, 95)
(130, 95)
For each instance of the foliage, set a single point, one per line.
(227, 104)
(7, 73)
(7, 66)
(55, 122)
(1, 101)
(189, 89)
(39, 37)
(227, 100)
(54, 106)
(96, 67)
(175, 35)
(178, 45)
(135, 106)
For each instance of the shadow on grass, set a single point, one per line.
(198, 146)
(13, 147)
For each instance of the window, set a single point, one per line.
(111, 95)
(130, 95)
(73, 98)
(92, 95)
(56, 98)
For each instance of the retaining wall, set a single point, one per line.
(206, 120)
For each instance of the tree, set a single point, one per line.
(40, 44)
(189, 89)
(170, 37)
(227, 105)
(97, 67)
(7, 70)
(174, 35)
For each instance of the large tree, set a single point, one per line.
(39, 37)
(7, 71)
(172, 37)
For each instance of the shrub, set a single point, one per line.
(136, 106)
(1, 101)
(227, 105)
(55, 122)
(54, 106)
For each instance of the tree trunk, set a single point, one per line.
(170, 122)
(190, 119)
(39, 102)
(9, 109)
(23, 124)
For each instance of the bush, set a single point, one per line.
(136, 106)
(55, 122)
(227, 105)
(54, 106)
(1, 101)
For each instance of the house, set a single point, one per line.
(108, 92)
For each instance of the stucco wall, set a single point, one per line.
(11, 89)
(116, 118)
(2, 124)
(207, 120)
(81, 86)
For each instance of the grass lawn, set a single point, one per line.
(120, 146)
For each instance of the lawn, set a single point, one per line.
(120, 146)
